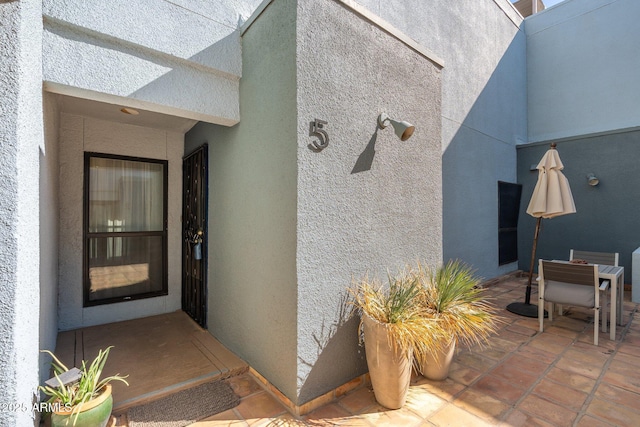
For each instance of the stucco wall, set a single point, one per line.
(583, 62)
(49, 221)
(155, 55)
(252, 205)
(484, 112)
(77, 135)
(606, 219)
(368, 202)
(21, 136)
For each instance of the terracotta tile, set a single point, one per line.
(493, 353)
(520, 419)
(615, 414)
(358, 400)
(564, 332)
(244, 385)
(383, 417)
(499, 388)
(627, 348)
(551, 412)
(476, 360)
(260, 405)
(423, 402)
(515, 375)
(505, 344)
(526, 322)
(463, 374)
(550, 343)
(537, 354)
(589, 421)
(618, 396)
(519, 336)
(221, 420)
(582, 363)
(445, 389)
(570, 379)
(452, 415)
(482, 405)
(527, 364)
(623, 381)
(331, 413)
(565, 396)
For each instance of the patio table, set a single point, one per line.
(615, 276)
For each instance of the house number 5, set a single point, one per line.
(317, 130)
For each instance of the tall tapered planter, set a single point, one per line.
(436, 366)
(389, 368)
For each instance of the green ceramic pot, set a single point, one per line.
(94, 413)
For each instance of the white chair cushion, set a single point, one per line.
(569, 293)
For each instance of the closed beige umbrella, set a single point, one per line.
(551, 198)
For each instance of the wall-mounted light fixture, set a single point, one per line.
(593, 181)
(404, 130)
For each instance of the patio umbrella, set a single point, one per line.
(551, 198)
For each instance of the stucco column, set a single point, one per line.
(21, 135)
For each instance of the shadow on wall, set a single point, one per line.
(330, 349)
(165, 73)
(481, 152)
(365, 160)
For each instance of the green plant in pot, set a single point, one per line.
(85, 402)
(453, 298)
(393, 329)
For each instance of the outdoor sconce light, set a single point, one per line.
(593, 181)
(404, 130)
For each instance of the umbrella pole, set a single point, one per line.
(526, 308)
(527, 299)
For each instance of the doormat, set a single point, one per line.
(185, 407)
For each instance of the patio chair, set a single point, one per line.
(570, 284)
(600, 258)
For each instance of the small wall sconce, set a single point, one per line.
(404, 130)
(593, 181)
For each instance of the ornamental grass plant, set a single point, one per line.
(399, 306)
(88, 386)
(453, 297)
(424, 308)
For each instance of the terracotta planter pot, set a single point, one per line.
(390, 371)
(436, 367)
(94, 413)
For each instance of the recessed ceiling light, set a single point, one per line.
(129, 111)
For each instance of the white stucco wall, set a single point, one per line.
(483, 112)
(377, 217)
(252, 205)
(77, 135)
(583, 60)
(21, 142)
(181, 58)
(49, 221)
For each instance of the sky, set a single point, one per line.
(549, 3)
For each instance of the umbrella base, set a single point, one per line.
(524, 309)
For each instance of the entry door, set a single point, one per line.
(194, 235)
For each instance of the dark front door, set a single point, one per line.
(194, 235)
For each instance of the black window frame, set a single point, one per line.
(508, 224)
(86, 235)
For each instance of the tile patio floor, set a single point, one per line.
(557, 378)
